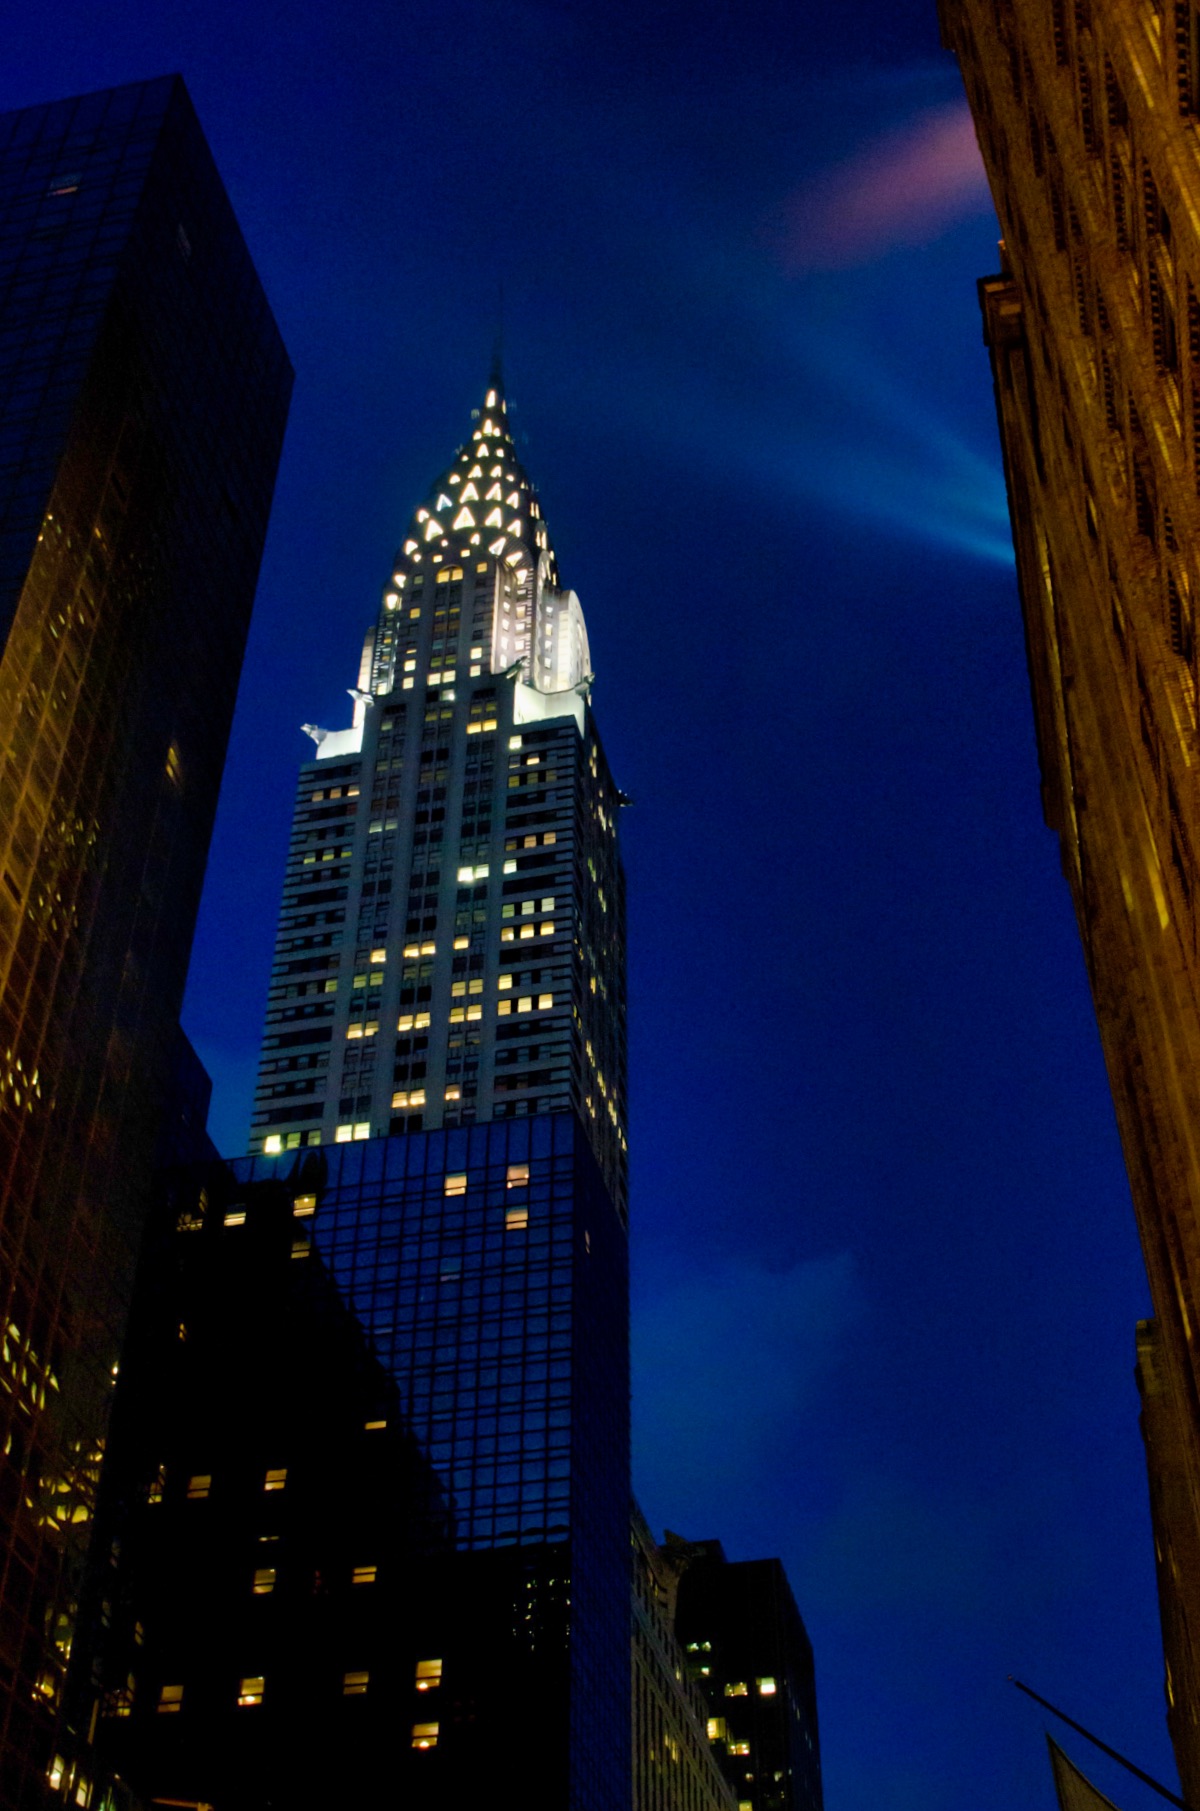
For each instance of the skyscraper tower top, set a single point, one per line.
(454, 894)
(483, 496)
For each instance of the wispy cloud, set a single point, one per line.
(724, 1369)
(903, 189)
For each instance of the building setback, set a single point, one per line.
(143, 395)
(1087, 116)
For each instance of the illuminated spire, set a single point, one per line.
(480, 525)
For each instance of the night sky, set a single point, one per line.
(886, 1275)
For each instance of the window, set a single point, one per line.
(276, 1479)
(304, 1204)
(739, 1748)
(518, 1175)
(456, 1185)
(766, 1688)
(516, 1219)
(429, 1675)
(354, 1684)
(236, 1217)
(424, 1735)
(251, 1690)
(199, 1486)
(363, 1575)
(736, 1688)
(264, 1581)
(717, 1729)
(170, 1700)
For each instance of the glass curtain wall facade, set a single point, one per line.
(143, 395)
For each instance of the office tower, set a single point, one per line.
(439, 1136)
(1087, 119)
(143, 393)
(748, 1650)
(675, 1767)
(453, 869)
(258, 1451)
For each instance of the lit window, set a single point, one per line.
(276, 1479)
(354, 1684)
(514, 741)
(373, 1427)
(304, 1204)
(344, 1134)
(739, 1748)
(264, 1580)
(456, 1184)
(736, 1688)
(272, 1145)
(363, 1575)
(301, 1248)
(379, 955)
(170, 1700)
(200, 1485)
(236, 1218)
(363, 1129)
(424, 1735)
(251, 1690)
(462, 943)
(452, 1094)
(516, 1219)
(545, 1002)
(766, 1687)
(717, 1730)
(429, 1675)
(518, 1175)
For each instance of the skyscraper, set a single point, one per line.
(1087, 118)
(440, 1138)
(748, 1650)
(453, 874)
(143, 395)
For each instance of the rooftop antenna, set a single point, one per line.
(498, 342)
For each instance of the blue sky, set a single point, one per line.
(886, 1277)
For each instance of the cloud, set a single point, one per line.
(904, 189)
(725, 1367)
(891, 1546)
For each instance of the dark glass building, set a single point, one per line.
(143, 394)
(749, 1651)
(439, 1135)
